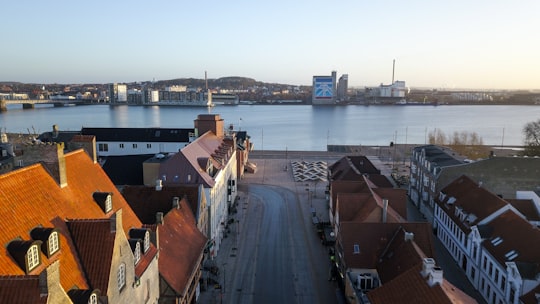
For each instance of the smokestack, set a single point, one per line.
(393, 69)
(385, 209)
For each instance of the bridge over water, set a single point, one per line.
(30, 103)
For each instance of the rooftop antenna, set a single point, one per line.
(393, 69)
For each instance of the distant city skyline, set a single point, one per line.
(457, 44)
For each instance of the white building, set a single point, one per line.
(139, 141)
(490, 240)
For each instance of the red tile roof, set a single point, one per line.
(146, 201)
(526, 207)
(517, 234)
(373, 238)
(20, 289)
(472, 199)
(181, 247)
(411, 287)
(94, 240)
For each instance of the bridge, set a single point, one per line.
(30, 103)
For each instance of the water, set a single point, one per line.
(295, 127)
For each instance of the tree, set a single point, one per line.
(469, 144)
(531, 130)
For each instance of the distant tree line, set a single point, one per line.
(469, 144)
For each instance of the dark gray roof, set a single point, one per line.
(139, 134)
(440, 156)
(126, 170)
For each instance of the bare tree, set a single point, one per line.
(531, 131)
(465, 143)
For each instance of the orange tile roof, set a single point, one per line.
(30, 197)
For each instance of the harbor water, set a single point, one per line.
(295, 127)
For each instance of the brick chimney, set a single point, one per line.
(210, 122)
(51, 155)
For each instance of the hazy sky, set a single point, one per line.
(442, 44)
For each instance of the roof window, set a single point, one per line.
(104, 200)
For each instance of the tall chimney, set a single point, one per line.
(393, 69)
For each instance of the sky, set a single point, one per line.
(439, 44)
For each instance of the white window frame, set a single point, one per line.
(121, 276)
(137, 253)
(108, 203)
(32, 257)
(93, 299)
(146, 241)
(53, 242)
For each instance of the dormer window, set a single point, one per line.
(104, 200)
(25, 253)
(141, 236)
(93, 299)
(108, 204)
(49, 237)
(135, 245)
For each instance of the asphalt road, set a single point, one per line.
(279, 258)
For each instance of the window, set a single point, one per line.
(32, 257)
(146, 241)
(134, 146)
(356, 249)
(137, 252)
(54, 244)
(93, 299)
(103, 147)
(149, 146)
(121, 146)
(121, 276)
(108, 203)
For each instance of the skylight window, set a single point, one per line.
(496, 241)
(511, 255)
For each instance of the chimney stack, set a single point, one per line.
(51, 155)
(159, 185)
(176, 202)
(159, 218)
